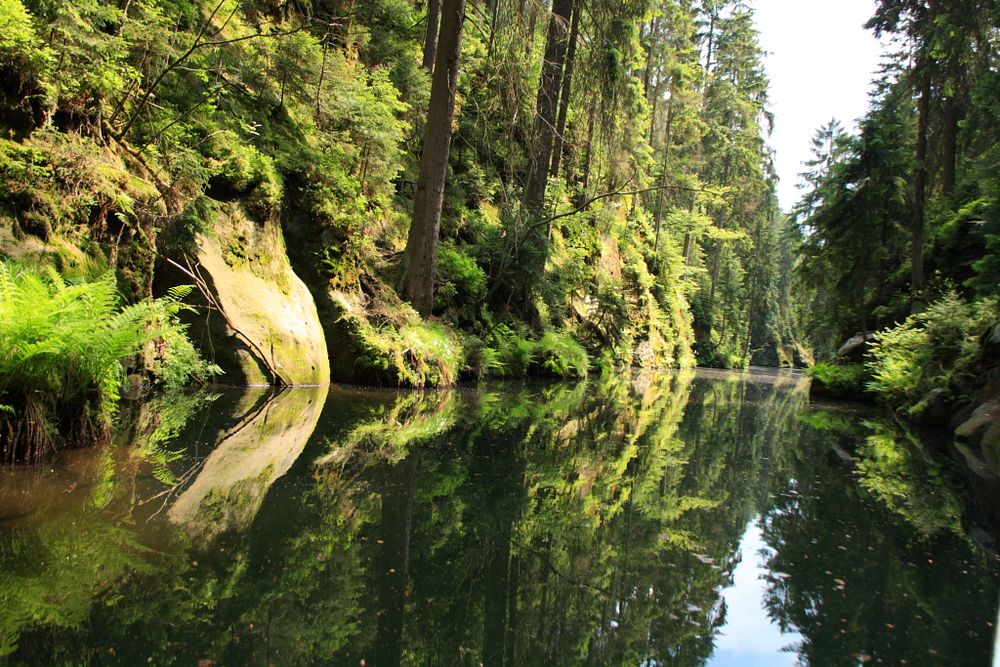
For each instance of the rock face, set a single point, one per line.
(266, 329)
(855, 347)
(981, 432)
(270, 434)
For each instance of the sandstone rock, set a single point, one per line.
(269, 331)
(232, 484)
(981, 432)
(933, 408)
(856, 346)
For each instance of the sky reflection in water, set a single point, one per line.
(711, 519)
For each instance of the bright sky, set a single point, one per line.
(820, 61)
(749, 638)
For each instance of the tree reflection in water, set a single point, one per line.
(540, 524)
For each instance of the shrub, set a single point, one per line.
(938, 348)
(837, 380)
(24, 61)
(461, 280)
(559, 355)
(63, 355)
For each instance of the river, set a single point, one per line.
(701, 518)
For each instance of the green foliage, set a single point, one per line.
(559, 355)
(462, 283)
(844, 380)
(514, 353)
(24, 64)
(64, 349)
(938, 348)
(894, 467)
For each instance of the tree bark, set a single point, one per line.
(548, 103)
(567, 84)
(952, 115)
(920, 178)
(422, 243)
(431, 37)
(589, 155)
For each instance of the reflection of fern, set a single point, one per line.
(160, 422)
(76, 559)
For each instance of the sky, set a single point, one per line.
(820, 61)
(749, 638)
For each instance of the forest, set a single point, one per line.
(382, 313)
(447, 191)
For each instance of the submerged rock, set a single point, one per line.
(981, 432)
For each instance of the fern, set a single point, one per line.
(65, 347)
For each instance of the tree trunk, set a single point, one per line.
(567, 84)
(658, 216)
(494, 24)
(589, 155)
(920, 178)
(431, 37)
(952, 115)
(422, 243)
(548, 103)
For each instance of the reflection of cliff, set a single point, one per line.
(261, 448)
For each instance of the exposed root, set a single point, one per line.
(34, 434)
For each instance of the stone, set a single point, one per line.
(933, 408)
(984, 418)
(269, 331)
(856, 346)
(272, 431)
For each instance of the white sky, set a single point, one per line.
(820, 61)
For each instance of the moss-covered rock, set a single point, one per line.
(981, 432)
(270, 331)
(383, 342)
(839, 381)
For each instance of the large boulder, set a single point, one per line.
(262, 326)
(855, 347)
(981, 433)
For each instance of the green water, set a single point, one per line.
(709, 519)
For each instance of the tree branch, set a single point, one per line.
(198, 43)
(623, 193)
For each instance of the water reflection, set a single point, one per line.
(677, 519)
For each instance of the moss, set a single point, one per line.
(558, 355)
(400, 350)
(271, 325)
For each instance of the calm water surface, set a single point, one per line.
(680, 519)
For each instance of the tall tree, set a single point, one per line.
(431, 36)
(567, 85)
(422, 243)
(548, 103)
(916, 19)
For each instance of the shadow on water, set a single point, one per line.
(682, 519)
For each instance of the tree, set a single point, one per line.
(548, 103)
(431, 36)
(422, 243)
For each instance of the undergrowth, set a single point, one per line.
(64, 352)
